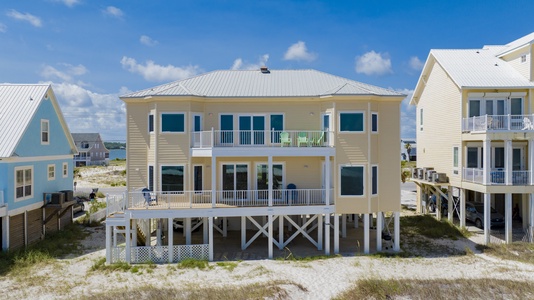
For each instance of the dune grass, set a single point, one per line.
(518, 251)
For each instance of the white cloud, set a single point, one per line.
(416, 63)
(372, 63)
(87, 111)
(35, 21)
(298, 51)
(148, 41)
(69, 3)
(153, 72)
(114, 12)
(3, 28)
(408, 115)
(67, 74)
(240, 65)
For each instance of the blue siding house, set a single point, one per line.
(36, 164)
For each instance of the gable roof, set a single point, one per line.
(90, 138)
(18, 105)
(254, 83)
(477, 68)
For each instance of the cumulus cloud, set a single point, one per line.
(67, 74)
(373, 63)
(113, 11)
(69, 3)
(3, 28)
(148, 41)
(154, 72)
(240, 65)
(299, 51)
(87, 111)
(408, 115)
(416, 63)
(33, 20)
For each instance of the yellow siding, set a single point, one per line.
(514, 59)
(137, 145)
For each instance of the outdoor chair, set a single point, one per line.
(284, 139)
(527, 124)
(319, 141)
(303, 139)
(149, 196)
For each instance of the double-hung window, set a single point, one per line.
(23, 183)
(351, 122)
(374, 180)
(455, 159)
(45, 132)
(352, 180)
(374, 122)
(172, 122)
(65, 170)
(51, 172)
(151, 123)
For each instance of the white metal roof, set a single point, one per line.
(275, 83)
(480, 68)
(526, 40)
(18, 103)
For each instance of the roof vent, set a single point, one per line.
(265, 70)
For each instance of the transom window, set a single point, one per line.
(352, 180)
(23, 182)
(351, 122)
(172, 122)
(45, 132)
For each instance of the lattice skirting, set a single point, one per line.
(160, 254)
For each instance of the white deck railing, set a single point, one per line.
(496, 176)
(261, 138)
(498, 122)
(233, 198)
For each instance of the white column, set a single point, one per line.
(320, 232)
(508, 155)
(108, 243)
(243, 232)
(213, 181)
(5, 233)
(327, 234)
(170, 239)
(379, 227)
(508, 218)
(225, 227)
(210, 226)
(270, 174)
(270, 239)
(343, 226)
(366, 233)
(128, 238)
(356, 217)
(158, 233)
(450, 205)
(462, 208)
(327, 179)
(134, 229)
(396, 220)
(336, 233)
(438, 204)
(187, 230)
(487, 218)
(280, 231)
(205, 229)
(486, 155)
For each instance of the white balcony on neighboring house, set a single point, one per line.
(498, 176)
(490, 123)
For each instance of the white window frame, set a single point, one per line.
(193, 115)
(363, 195)
(456, 169)
(220, 183)
(51, 174)
(153, 123)
(65, 170)
(523, 58)
(203, 177)
(23, 169)
(377, 181)
(259, 163)
(161, 174)
(47, 122)
(351, 112)
(421, 115)
(172, 113)
(374, 114)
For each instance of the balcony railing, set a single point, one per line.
(224, 199)
(261, 138)
(496, 176)
(498, 122)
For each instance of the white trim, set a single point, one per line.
(23, 168)
(220, 187)
(47, 122)
(377, 179)
(35, 158)
(458, 167)
(377, 127)
(362, 112)
(255, 175)
(194, 177)
(363, 195)
(65, 170)
(161, 165)
(53, 177)
(21, 210)
(193, 115)
(172, 113)
(150, 113)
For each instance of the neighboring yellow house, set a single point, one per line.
(261, 150)
(475, 125)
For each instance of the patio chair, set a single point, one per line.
(303, 139)
(149, 196)
(284, 139)
(527, 124)
(319, 141)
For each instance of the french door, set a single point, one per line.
(251, 130)
(235, 181)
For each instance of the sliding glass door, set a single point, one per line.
(262, 181)
(251, 130)
(235, 181)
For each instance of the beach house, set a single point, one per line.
(475, 134)
(36, 151)
(279, 153)
(91, 150)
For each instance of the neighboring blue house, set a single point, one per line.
(36, 152)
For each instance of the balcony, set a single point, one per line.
(225, 199)
(261, 138)
(497, 176)
(498, 123)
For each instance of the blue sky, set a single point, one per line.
(94, 51)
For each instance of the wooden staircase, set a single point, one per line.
(141, 237)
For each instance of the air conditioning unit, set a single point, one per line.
(69, 195)
(420, 173)
(440, 178)
(415, 172)
(428, 175)
(54, 198)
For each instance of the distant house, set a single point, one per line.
(412, 156)
(91, 150)
(36, 151)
